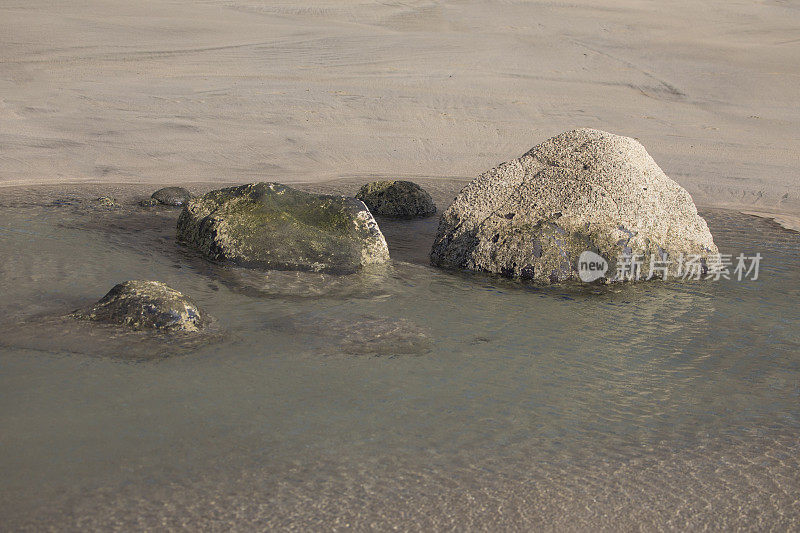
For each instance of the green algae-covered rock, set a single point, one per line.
(399, 199)
(582, 191)
(275, 227)
(141, 304)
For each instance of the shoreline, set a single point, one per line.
(786, 219)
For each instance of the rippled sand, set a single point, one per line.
(289, 90)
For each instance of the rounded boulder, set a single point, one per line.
(141, 304)
(582, 191)
(397, 199)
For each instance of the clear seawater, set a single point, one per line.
(415, 397)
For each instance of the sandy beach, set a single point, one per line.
(403, 396)
(178, 91)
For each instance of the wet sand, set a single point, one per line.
(176, 92)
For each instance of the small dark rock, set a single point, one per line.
(399, 199)
(142, 304)
(149, 202)
(177, 196)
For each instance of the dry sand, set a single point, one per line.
(172, 91)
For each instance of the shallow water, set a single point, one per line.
(410, 396)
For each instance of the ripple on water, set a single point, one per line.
(630, 406)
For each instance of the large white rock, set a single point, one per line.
(583, 190)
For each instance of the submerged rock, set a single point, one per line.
(303, 284)
(583, 190)
(176, 196)
(146, 305)
(383, 336)
(107, 202)
(378, 336)
(400, 199)
(272, 226)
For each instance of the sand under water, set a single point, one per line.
(411, 398)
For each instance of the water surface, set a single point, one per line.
(412, 396)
